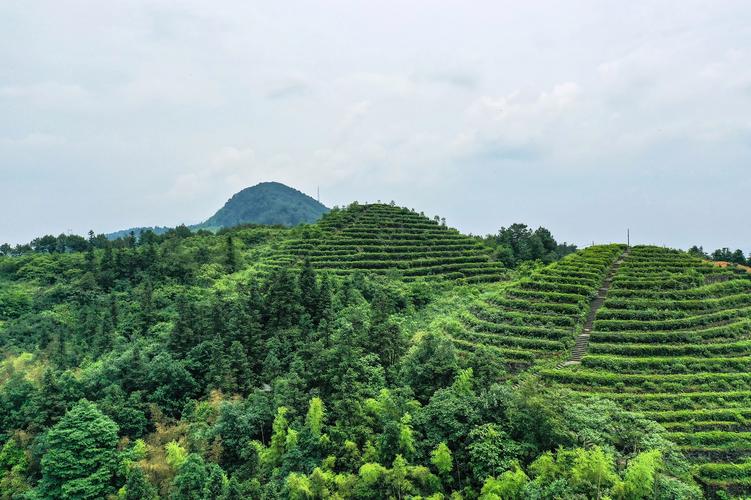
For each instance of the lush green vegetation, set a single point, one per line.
(518, 243)
(538, 316)
(385, 239)
(374, 354)
(722, 255)
(673, 342)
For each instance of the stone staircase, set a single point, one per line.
(582, 341)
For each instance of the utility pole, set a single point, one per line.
(628, 237)
(318, 193)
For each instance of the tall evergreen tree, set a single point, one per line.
(146, 311)
(230, 255)
(324, 303)
(219, 373)
(82, 456)
(105, 335)
(107, 268)
(308, 289)
(242, 374)
(183, 338)
(219, 316)
(282, 300)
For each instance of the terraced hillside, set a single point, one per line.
(538, 317)
(673, 342)
(380, 238)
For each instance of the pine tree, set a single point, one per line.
(218, 316)
(242, 375)
(183, 338)
(106, 335)
(308, 289)
(231, 257)
(89, 323)
(90, 259)
(120, 263)
(252, 338)
(282, 300)
(82, 456)
(107, 269)
(324, 305)
(114, 312)
(149, 257)
(52, 404)
(146, 312)
(219, 374)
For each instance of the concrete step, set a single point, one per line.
(582, 340)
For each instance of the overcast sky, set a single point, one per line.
(586, 117)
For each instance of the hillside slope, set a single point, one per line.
(673, 342)
(536, 318)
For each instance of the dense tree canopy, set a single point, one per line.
(518, 243)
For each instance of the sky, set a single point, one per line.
(586, 117)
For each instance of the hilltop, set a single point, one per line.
(269, 203)
(379, 238)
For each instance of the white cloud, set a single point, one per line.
(47, 95)
(33, 140)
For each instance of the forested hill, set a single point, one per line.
(268, 203)
(357, 357)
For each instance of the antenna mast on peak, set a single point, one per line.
(318, 193)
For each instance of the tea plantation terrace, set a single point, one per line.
(537, 317)
(381, 238)
(673, 342)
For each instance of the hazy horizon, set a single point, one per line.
(587, 118)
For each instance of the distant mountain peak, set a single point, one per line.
(267, 203)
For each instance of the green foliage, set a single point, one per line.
(315, 416)
(274, 453)
(81, 456)
(176, 455)
(518, 243)
(192, 479)
(441, 458)
(593, 471)
(430, 364)
(508, 486)
(639, 478)
(138, 487)
(298, 487)
(491, 451)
